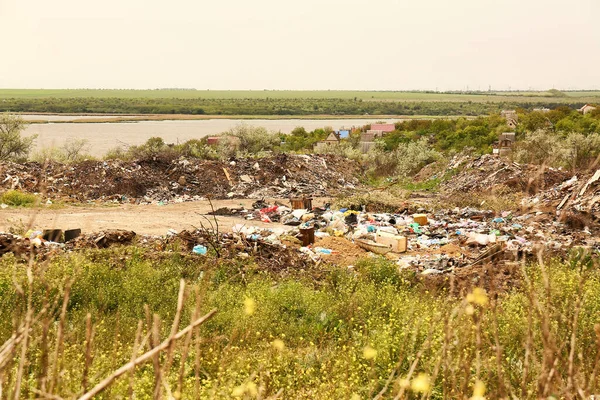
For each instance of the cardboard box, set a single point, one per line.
(420, 219)
(395, 242)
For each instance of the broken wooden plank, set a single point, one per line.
(593, 179)
(562, 203)
(227, 175)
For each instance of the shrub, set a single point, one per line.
(18, 199)
(300, 139)
(198, 149)
(254, 140)
(343, 149)
(573, 150)
(581, 150)
(406, 160)
(76, 150)
(539, 147)
(72, 151)
(13, 146)
(48, 154)
(117, 153)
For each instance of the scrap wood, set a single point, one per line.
(562, 203)
(593, 179)
(495, 173)
(227, 175)
(489, 253)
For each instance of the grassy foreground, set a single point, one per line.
(370, 332)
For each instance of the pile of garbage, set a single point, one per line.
(42, 243)
(167, 180)
(32, 244)
(426, 242)
(489, 171)
(574, 201)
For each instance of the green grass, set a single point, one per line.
(430, 185)
(341, 336)
(583, 96)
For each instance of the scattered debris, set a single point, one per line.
(560, 212)
(104, 239)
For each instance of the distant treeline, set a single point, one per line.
(261, 106)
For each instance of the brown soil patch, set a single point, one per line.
(344, 251)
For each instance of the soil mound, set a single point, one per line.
(487, 172)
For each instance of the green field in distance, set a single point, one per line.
(581, 96)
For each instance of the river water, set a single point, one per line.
(102, 137)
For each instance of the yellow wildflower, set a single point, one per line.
(478, 296)
(369, 353)
(478, 391)
(278, 344)
(249, 306)
(421, 384)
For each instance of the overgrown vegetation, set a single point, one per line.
(18, 199)
(372, 333)
(73, 150)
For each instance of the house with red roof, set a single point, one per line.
(385, 128)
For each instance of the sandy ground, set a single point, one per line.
(143, 219)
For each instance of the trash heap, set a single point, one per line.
(265, 246)
(486, 172)
(429, 243)
(31, 244)
(177, 180)
(578, 194)
(426, 242)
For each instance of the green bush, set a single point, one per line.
(253, 140)
(570, 150)
(18, 199)
(74, 150)
(406, 160)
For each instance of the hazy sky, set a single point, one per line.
(302, 44)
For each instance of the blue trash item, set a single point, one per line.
(343, 210)
(371, 229)
(498, 220)
(199, 249)
(517, 226)
(322, 250)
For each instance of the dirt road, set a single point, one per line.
(143, 219)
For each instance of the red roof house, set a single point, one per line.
(385, 128)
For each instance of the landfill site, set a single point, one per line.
(282, 210)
